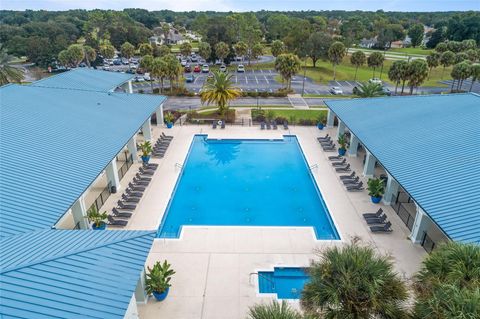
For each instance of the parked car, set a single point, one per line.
(218, 62)
(106, 67)
(240, 68)
(117, 62)
(336, 90)
(205, 68)
(183, 62)
(197, 69)
(386, 91)
(130, 71)
(147, 77)
(139, 79)
(375, 80)
(223, 68)
(189, 78)
(82, 65)
(194, 57)
(188, 68)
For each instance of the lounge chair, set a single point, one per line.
(223, 125)
(132, 193)
(130, 199)
(343, 169)
(373, 215)
(381, 229)
(146, 171)
(116, 222)
(143, 178)
(352, 175)
(324, 138)
(355, 187)
(121, 214)
(285, 125)
(335, 158)
(269, 127)
(168, 137)
(150, 165)
(329, 148)
(161, 144)
(126, 206)
(137, 181)
(344, 162)
(350, 181)
(214, 124)
(380, 220)
(161, 147)
(136, 188)
(262, 125)
(274, 125)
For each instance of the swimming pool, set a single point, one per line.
(232, 182)
(285, 282)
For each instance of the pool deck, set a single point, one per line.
(213, 265)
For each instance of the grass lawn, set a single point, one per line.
(328, 96)
(176, 47)
(300, 114)
(416, 51)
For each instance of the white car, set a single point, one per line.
(375, 80)
(240, 68)
(139, 79)
(223, 68)
(335, 90)
(147, 77)
(184, 62)
(205, 68)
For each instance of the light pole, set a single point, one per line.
(304, 74)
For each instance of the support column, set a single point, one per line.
(147, 130)
(419, 226)
(341, 128)
(369, 167)
(140, 291)
(130, 87)
(132, 148)
(353, 148)
(390, 190)
(112, 174)
(79, 213)
(159, 113)
(330, 118)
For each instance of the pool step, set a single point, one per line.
(266, 282)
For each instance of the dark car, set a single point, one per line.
(188, 68)
(386, 91)
(117, 62)
(189, 78)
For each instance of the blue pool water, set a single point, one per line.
(246, 183)
(286, 282)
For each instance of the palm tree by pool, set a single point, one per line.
(369, 90)
(219, 90)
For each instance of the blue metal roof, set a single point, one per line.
(431, 146)
(71, 273)
(85, 79)
(53, 145)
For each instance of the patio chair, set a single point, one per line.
(344, 162)
(269, 127)
(326, 144)
(223, 125)
(120, 214)
(146, 171)
(329, 148)
(161, 146)
(150, 165)
(355, 187)
(126, 206)
(170, 137)
(214, 124)
(130, 199)
(274, 125)
(350, 181)
(380, 220)
(335, 158)
(143, 178)
(285, 125)
(343, 169)
(136, 181)
(382, 229)
(158, 155)
(137, 188)
(162, 143)
(352, 175)
(116, 222)
(133, 193)
(324, 138)
(262, 125)
(373, 215)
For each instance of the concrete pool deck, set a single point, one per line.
(213, 265)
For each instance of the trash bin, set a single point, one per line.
(113, 189)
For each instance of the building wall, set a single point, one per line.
(66, 222)
(132, 311)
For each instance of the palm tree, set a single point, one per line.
(375, 60)
(433, 60)
(354, 282)
(287, 65)
(417, 73)
(204, 50)
(273, 310)
(358, 59)
(159, 69)
(475, 70)
(8, 73)
(446, 59)
(336, 52)
(219, 90)
(146, 63)
(460, 72)
(241, 49)
(90, 54)
(222, 50)
(369, 90)
(397, 73)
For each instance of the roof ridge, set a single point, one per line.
(110, 241)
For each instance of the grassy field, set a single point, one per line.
(417, 51)
(176, 47)
(300, 114)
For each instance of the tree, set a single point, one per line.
(241, 49)
(75, 54)
(446, 59)
(161, 50)
(90, 54)
(8, 73)
(317, 46)
(146, 63)
(433, 60)
(127, 50)
(460, 72)
(278, 47)
(159, 69)
(145, 49)
(336, 52)
(472, 55)
(172, 69)
(369, 89)
(287, 65)
(186, 49)
(352, 281)
(475, 73)
(416, 34)
(398, 72)
(273, 310)
(390, 33)
(64, 58)
(204, 50)
(357, 59)
(441, 47)
(255, 51)
(375, 60)
(219, 90)
(107, 50)
(417, 73)
(460, 57)
(221, 50)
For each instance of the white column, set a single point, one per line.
(390, 190)
(341, 128)
(147, 130)
(330, 118)
(140, 292)
(79, 212)
(159, 113)
(132, 148)
(419, 226)
(112, 174)
(130, 87)
(352, 149)
(369, 167)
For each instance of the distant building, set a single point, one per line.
(368, 43)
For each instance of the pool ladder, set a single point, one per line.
(314, 166)
(178, 165)
(259, 275)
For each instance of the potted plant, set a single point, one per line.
(376, 188)
(342, 142)
(169, 118)
(146, 148)
(321, 121)
(97, 218)
(157, 280)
